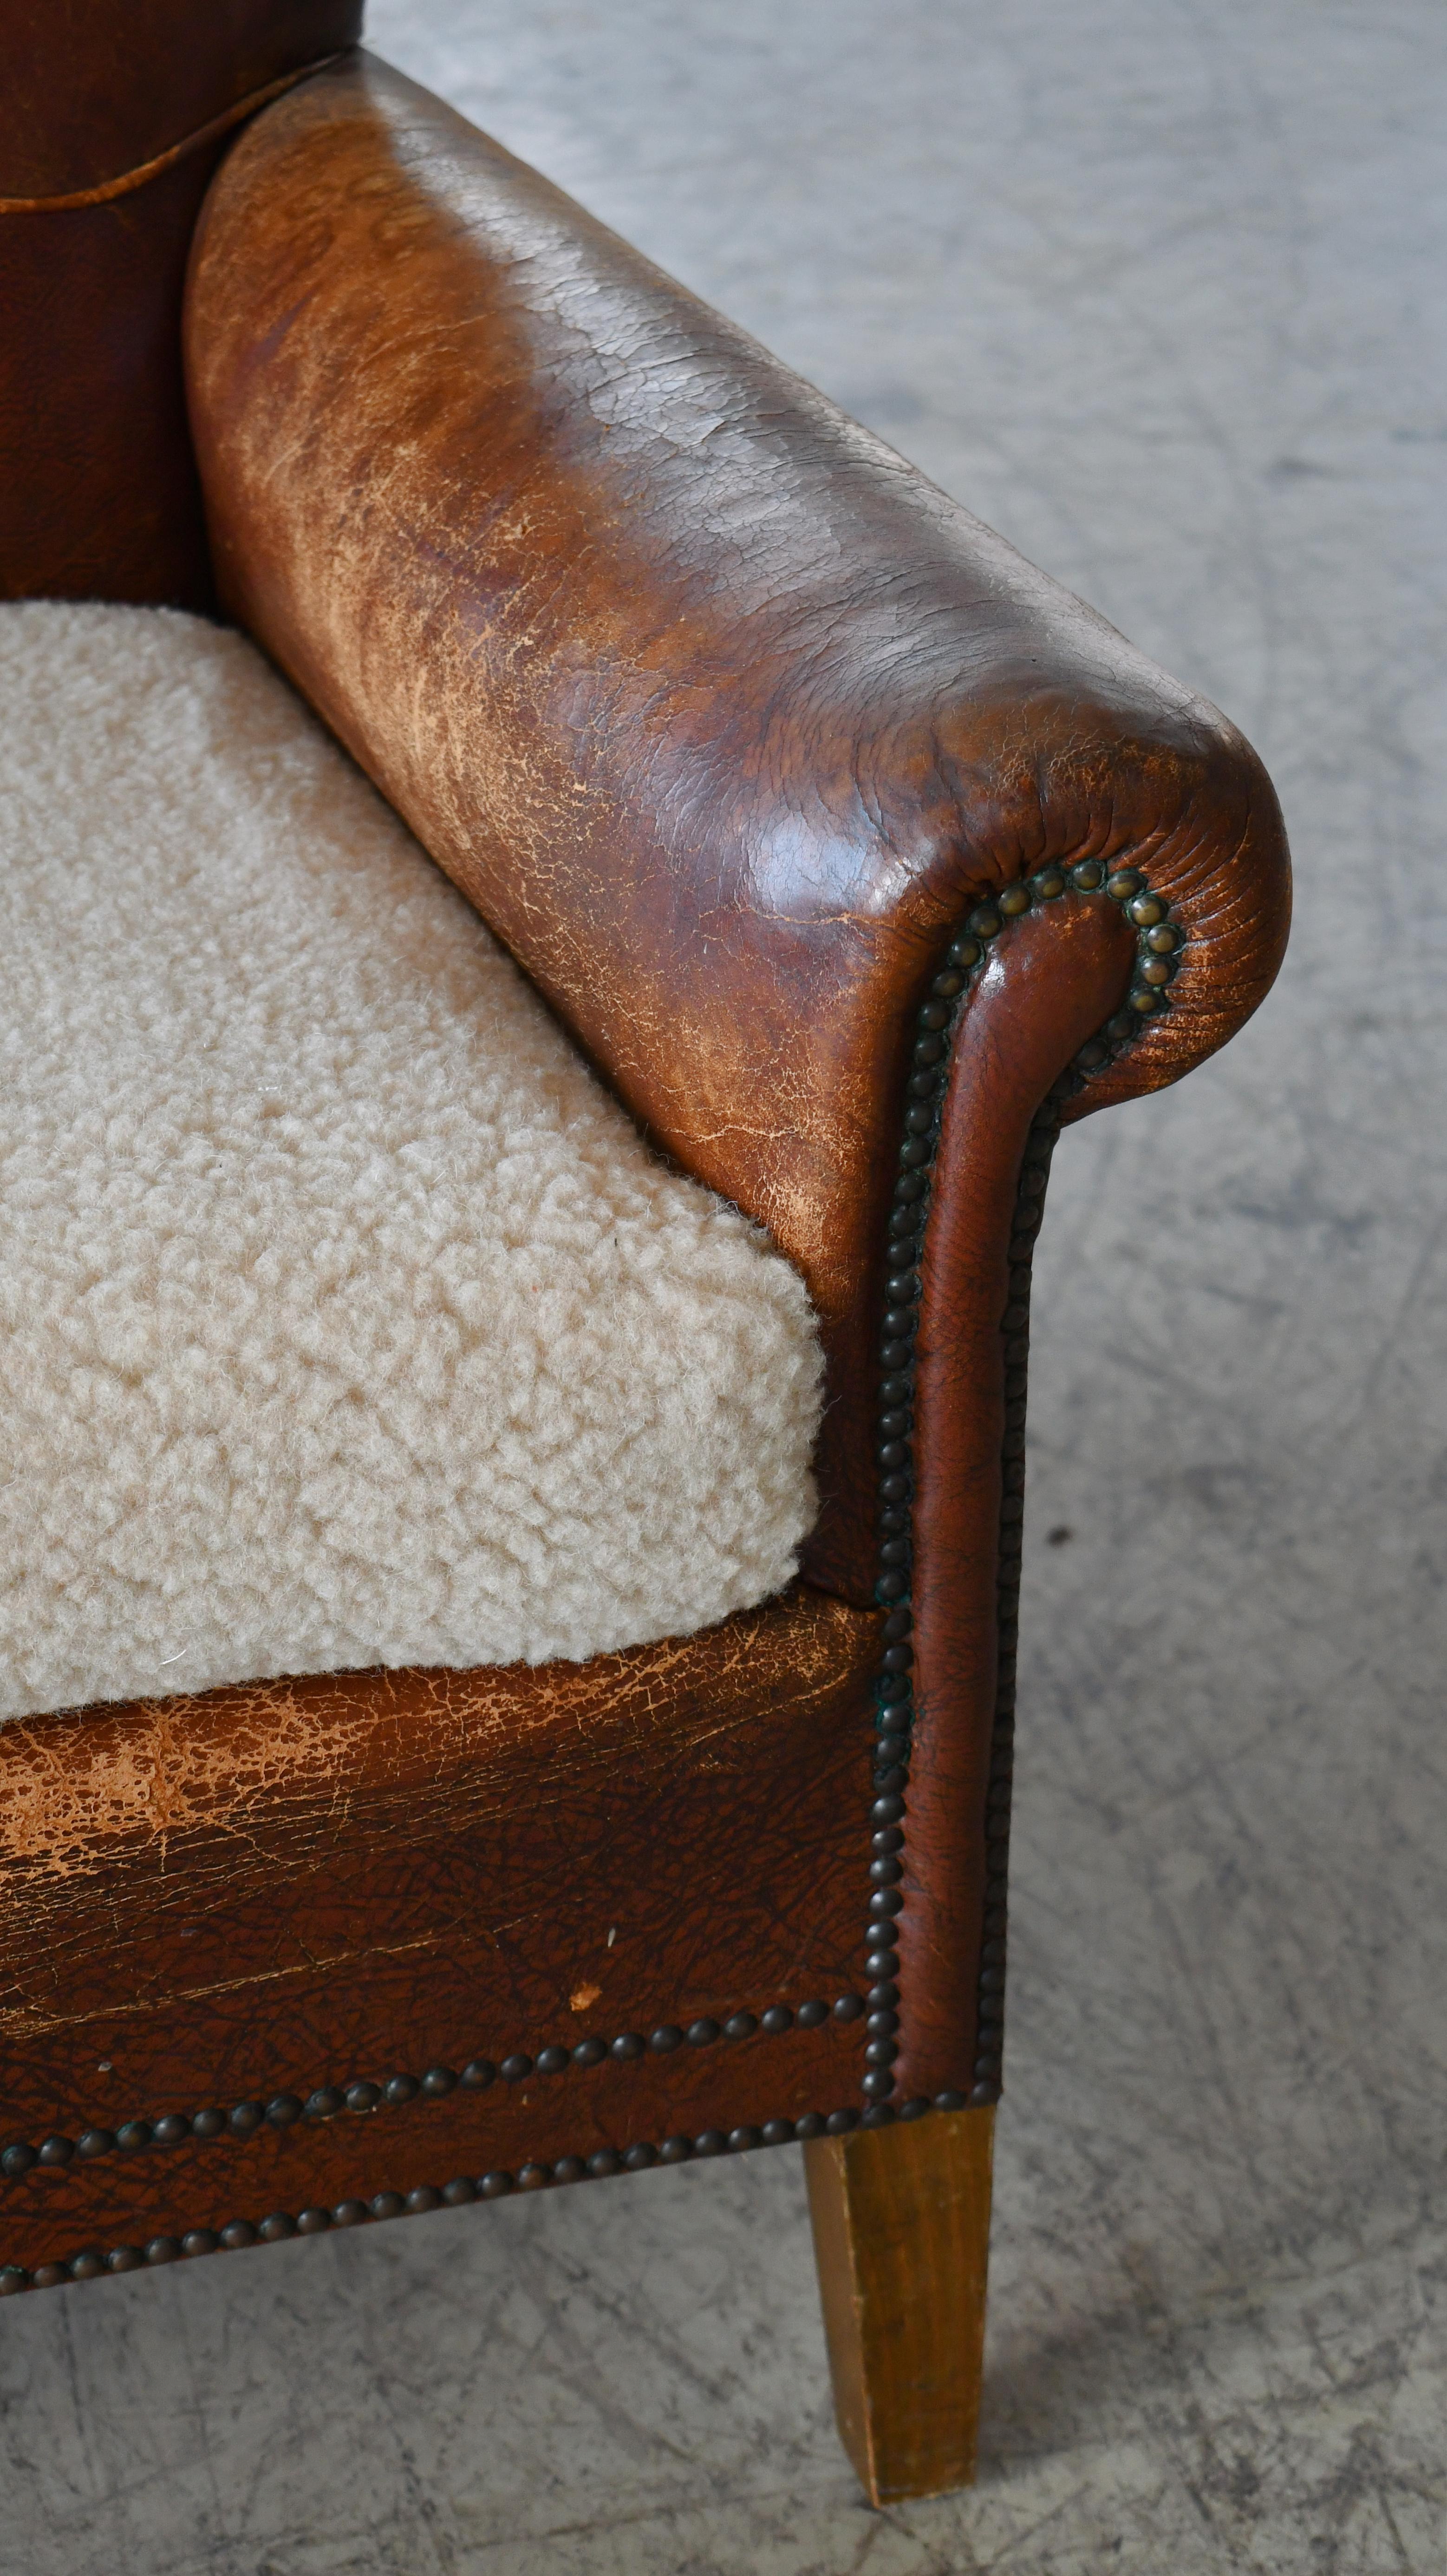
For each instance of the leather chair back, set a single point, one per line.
(112, 122)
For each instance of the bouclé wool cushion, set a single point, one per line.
(345, 1319)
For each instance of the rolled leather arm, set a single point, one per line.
(733, 727)
(721, 713)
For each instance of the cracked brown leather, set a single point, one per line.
(719, 711)
(98, 489)
(302, 1883)
(722, 716)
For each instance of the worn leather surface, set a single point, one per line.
(98, 489)
(303, 1883)
(722, 716)
(717, 709)
(92, 91)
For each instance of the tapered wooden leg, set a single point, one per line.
(901, 2222)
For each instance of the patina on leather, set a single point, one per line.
(723, 717)
(272, 1890)
(98, 489)
(716, 708)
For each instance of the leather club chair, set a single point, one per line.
(859, 858)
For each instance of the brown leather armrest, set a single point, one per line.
(721, 713)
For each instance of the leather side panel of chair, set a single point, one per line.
(722, 715)
(99, 497)
(92, 91)
(112, 123)
(259, 1894)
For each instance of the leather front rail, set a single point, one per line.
(721, 714)
(317, 1940)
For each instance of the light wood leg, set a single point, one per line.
(901, 2222)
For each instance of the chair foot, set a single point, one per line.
(901, 2220)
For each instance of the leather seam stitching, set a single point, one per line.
(107, 190)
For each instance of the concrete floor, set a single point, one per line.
(1153, 285)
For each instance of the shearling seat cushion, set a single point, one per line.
(344, 1318)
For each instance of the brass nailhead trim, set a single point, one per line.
(246, 2119)
(1159, 944)
(90, 2263)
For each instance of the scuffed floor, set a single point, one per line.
(1155, 288)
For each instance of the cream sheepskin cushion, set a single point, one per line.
(345, 1319)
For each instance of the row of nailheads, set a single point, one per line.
(1159, 941)
(1158, 949)
(284, 2109)
(499, 2185)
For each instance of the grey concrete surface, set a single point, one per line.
(1154, 285)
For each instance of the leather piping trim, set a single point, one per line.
(238, 2233)
(1161, 940)
(246, 2120)
(130, 180)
